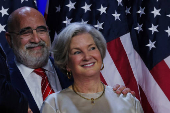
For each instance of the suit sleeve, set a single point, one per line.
(11, 100)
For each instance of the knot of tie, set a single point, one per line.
(40, 71)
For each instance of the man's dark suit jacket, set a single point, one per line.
(11, 100)
(18, 81)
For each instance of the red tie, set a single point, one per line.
(45, 86)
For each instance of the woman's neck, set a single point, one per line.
(88, 85)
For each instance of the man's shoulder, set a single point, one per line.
(12, 63)
(2, 53)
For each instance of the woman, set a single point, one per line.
(79, 51)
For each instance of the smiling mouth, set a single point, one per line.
(35, 47)
(87, 65)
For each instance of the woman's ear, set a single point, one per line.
(67, 68)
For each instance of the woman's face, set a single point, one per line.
(84, 56)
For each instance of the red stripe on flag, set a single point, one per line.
(45, 16)
(102, 79)
(118, 54)
(145, 104)
(161, 74)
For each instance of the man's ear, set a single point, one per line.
(9, 39)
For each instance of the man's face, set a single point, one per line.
(31, 48)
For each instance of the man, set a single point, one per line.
(31, 49)
(11, 100)
(29, 38)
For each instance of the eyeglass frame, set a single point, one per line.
(29, 28)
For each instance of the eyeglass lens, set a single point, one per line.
(29, 31)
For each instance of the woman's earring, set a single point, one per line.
(69, 75)
(102, 66)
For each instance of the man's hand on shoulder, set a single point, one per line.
(122, 89)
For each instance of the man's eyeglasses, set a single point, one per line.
(28, 31)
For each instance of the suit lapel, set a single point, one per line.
(18, 81)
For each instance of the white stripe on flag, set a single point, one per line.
(127, 44)
(167, 61)
(110, 72)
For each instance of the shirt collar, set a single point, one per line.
(26, 71)
(49, 67)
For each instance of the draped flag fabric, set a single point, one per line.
(138, 43)
(6, 8)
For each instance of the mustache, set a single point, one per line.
(31, 45)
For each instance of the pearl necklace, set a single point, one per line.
(92, 99)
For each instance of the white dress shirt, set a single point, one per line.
(34, 81)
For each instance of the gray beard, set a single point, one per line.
(28, 57)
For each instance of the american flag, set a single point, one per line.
(6, 8)
(138, 43)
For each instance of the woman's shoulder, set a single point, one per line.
(125, 101)
(55, 95)
(128, 96)
(51, 98)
